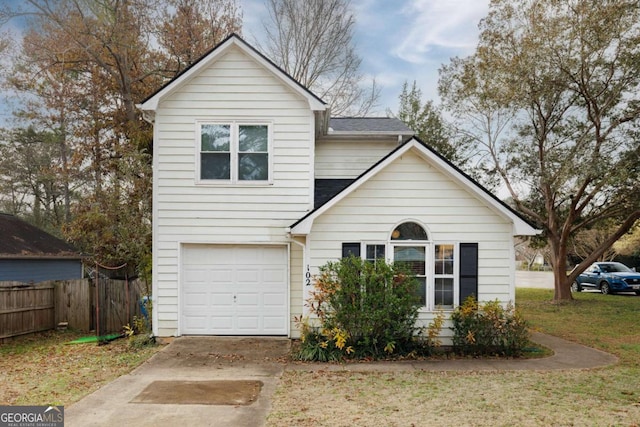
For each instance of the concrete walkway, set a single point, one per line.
(264, 359)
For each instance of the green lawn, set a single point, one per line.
(607, 322)
(599, 397)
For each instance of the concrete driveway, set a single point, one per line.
(148, 395)
(185, 361)
(534, 279)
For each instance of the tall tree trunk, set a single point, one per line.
(562, 287)
(64, 160)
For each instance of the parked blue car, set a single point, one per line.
(609, 278)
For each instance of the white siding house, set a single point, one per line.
(414, 186)
(254, 189)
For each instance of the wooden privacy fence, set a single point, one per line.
(117, 301)
(27, 308)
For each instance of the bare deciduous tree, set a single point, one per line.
(563, 78)
(629, 244)
(82, 67)
(312, 41)
(585, 242)
(190, 28)
(530, 251)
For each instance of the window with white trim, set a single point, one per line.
(414, 258)
(374, 252)
(447, 272)
(234, 152)
(444, 275)
(435, 267)
(411, 248)
(371, 252)
(351, 249)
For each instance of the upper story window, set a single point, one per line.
(234, 152)
(409, 231)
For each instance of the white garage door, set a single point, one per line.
(234, 290)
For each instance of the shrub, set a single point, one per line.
(142, 341)
(489, 329)
(363, 310)
(322, 345)
(140, 335)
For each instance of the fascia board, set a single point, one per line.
(314, 103)
(151, 104)
(520, 227)
(303, 227)
(367, 133)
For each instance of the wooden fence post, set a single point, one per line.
(27, 308)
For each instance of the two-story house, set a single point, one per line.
(255, 188)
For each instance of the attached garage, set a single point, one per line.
(234, 290)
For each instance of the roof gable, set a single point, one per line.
(520, 225)
(151, 103)
(23, 240)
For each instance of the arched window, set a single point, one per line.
(409, 231)
(410, 246)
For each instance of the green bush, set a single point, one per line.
(140, 334)
(363, 310)
(142, 341)
(489, 329)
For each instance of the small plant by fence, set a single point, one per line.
(28, 308)
(117, 301)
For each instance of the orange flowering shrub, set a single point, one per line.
(489, 329)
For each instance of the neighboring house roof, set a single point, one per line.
(520, 225)
(379, 125)
(23, 240)
(151, 103)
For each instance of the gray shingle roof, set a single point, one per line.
(369, 125)
(20, 238)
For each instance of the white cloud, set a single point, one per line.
(253, 12)
(442, 25)
(388, 78)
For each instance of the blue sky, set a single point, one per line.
(401, 40)
(398, 40)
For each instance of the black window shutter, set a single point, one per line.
(468, 271)
(350, 249)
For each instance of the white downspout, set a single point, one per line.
(306, 274)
